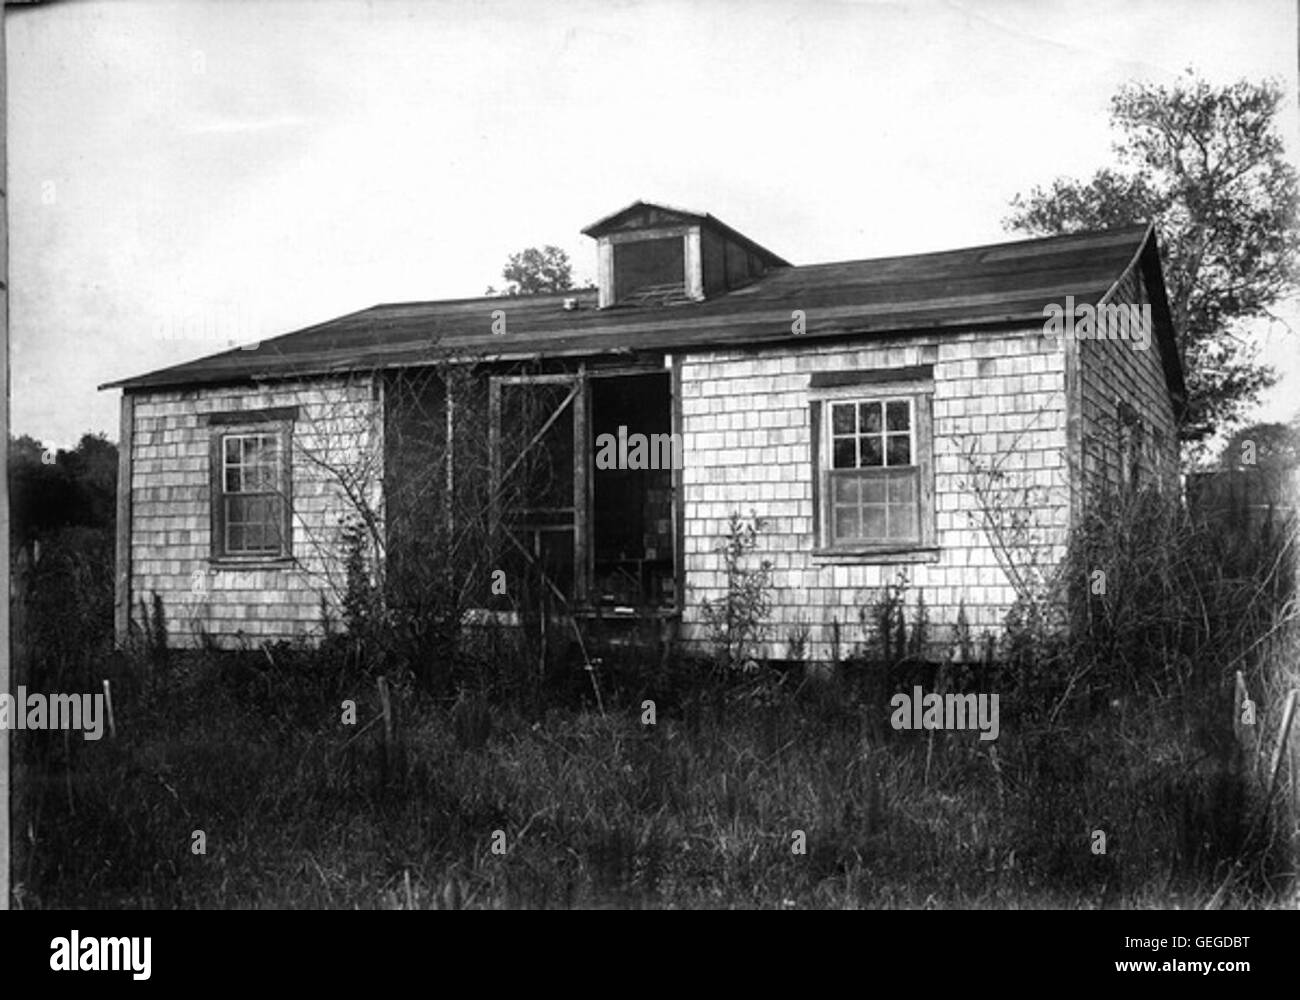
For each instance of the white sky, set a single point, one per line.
(248, 169)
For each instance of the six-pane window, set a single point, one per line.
(252, 468)
(874, 481)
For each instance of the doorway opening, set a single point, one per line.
(596, 522)
(632, 503)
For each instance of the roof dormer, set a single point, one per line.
(654, 255)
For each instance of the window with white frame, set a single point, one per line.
(873, 480)
(251, 505)
(873, 445)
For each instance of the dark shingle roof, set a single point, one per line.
(1006, 283)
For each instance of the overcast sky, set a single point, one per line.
(231, 171)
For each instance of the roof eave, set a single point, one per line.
(527, 353)
(1162, 316)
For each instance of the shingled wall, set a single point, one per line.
(1112, 372)
(747, 438)
(337, 431)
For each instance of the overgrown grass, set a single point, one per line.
(699, 810)
(1124, 727)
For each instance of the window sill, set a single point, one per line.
(614, 612)
(251, 562)
(877, 554)
(488, 616)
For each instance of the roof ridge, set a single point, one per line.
(1133, 228)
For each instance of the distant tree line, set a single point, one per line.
(53, 489)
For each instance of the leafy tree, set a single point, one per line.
(1206, 165)
(1265, 458)
(93, 467)
(51, 490)
(1270, 446)
(536, 270)
(25, 449)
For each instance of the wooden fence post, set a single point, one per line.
(108, 703)
(1288, 713)
(386, 706)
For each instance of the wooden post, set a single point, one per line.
(5, 680)
(387, 707)
(589, 666)
(677, 426)
(1288, 713)
(108, 703)
(494, 465)
(544, 600)
(1261, 816)
(449, 457)
(1073, 426)
(122, 590)
(67, 769)
(1245, 734)
(583, 559)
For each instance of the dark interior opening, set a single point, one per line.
(655, 264)
(631, 508)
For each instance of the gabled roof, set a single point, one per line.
(996, 285)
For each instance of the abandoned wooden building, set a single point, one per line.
(596, 442)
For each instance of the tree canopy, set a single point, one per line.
(1267, 446)
(50, 490)
(536, 270)
(1206, 165)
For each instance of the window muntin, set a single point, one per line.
(872, 433)
(252, 498)
(872, 471)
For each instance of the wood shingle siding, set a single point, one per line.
(1112, 373)
(748, 437)
(334, 423)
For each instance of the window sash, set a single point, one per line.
(259, 530)
(864, 518)
(875, 506)
(251, 499)
(265, 475)
(872, 443)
